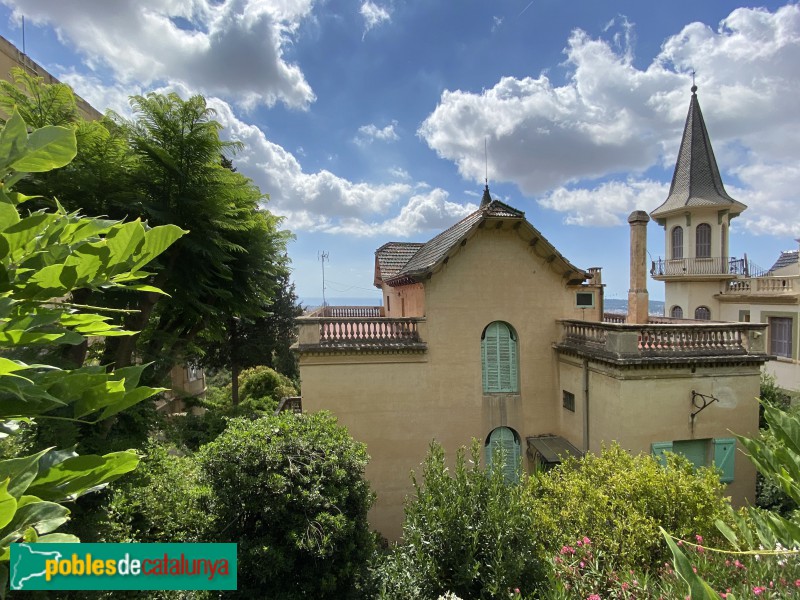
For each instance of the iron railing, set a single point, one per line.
(718, 265)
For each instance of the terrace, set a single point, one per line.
(332, 329)
(672, 343)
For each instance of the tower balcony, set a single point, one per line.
(703, 268)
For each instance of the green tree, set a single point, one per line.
(44, 257)
(290, 490)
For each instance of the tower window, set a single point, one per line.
(702, 313)
(676, 312)
(677, 242)
(703, 235)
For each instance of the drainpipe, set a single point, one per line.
(585, 404)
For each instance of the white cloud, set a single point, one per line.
(323, 201)
(400, 173)
(612, 117)
(232, 49)
(374, 15)
(607, 204)
(368, 133)
(430, 211)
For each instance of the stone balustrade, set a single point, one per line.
(626, 343)
(763, 285)
(351, 332)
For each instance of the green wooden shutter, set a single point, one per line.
(499, 355)
(724, 457)
(491, 372)
(503, 445)
(695, 451)
(658, 449)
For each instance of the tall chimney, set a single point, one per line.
(638, 298)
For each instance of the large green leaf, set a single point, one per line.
(32, 512)
(8, 504)
(698, 588)
(75, 476)
(20, 472)
(48, 148)
(13, 140)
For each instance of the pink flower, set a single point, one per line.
(624, 586)
(586, 541)
(583, 564)
(699, 539)
(567, 550)
(758, 590)
(700, 549)
(594, 597)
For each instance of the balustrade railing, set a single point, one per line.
(664, 339)
(762, 285)
(348, 312)
(367, 331)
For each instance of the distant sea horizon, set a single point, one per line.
(614, 305)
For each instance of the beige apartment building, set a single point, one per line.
(487, 331)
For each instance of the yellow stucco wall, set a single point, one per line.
(638, 406)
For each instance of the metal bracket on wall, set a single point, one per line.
(701, 402)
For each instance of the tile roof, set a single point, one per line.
(438, 247)
(393, 256)
(696, 181)
(789, 257)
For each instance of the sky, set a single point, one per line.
(374, 121)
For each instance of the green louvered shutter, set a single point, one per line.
(503, 445)
(499, 350)
(659, 448)
(724, 457)
(491, 369)
(695, 451)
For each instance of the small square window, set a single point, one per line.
(569, 400)
(584, 300)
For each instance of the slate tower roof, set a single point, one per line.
(696, 181)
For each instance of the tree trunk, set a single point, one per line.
(232, 324)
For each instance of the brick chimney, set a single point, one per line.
(638, 298)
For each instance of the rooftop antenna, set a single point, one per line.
(694, 85)
(486, 160)
(322, 256)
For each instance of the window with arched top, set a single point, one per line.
(502, 450)
(702, 313)
(703, 239)
(499, 358)
(676, 312)
(677, 242)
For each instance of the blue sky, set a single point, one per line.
(365, 121)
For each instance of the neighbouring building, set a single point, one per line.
(701, 279)
(487, 331)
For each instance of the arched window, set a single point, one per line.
(676, 312)
(703, 237)
(702, 313)
(677, 242)
(502, 444)
(499, 358)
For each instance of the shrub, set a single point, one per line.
(467, 533)
(289, 489)
(165, 500)
(619, 501)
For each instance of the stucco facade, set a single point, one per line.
(411, 372)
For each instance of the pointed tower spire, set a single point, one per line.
(696, 180)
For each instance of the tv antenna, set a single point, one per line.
(323, 256)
